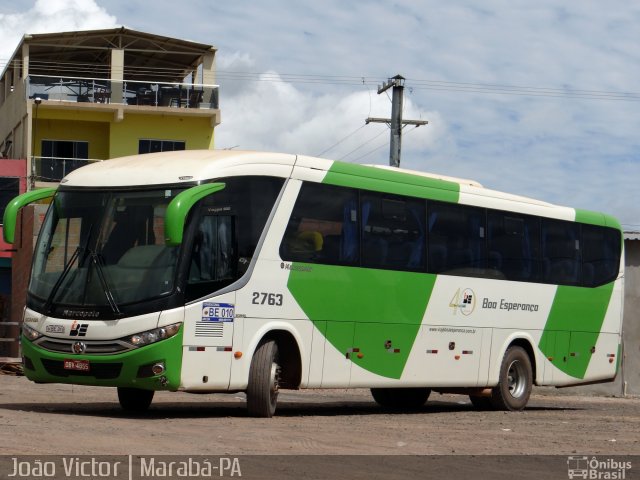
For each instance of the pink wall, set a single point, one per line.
(12, 168)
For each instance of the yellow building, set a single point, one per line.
(70, 98)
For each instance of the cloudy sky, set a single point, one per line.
(536, 98)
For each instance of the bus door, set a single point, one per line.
(209, 318)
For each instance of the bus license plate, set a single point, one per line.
(78, 365)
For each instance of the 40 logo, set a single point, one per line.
(463, 301)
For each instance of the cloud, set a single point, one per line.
(271, 114)
(570, 151)
(47, 16)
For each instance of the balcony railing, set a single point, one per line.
(54, 169)
(127, 92)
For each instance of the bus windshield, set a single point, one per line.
(104, 249)
(102, 253)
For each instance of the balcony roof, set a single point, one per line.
(88, 53)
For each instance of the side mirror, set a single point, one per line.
(179, 208)
(11, 212)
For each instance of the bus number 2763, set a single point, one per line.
(265, 298)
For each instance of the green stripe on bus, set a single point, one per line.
(573, 327)
(596, 218)
(389, 181)
(376, 312)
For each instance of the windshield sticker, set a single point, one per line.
(218, 312)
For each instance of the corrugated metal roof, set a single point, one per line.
(87, 53)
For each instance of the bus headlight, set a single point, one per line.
(152, 336)
(31, 333)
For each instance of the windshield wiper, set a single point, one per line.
(97, 261)
(65, 271)
(63, 275)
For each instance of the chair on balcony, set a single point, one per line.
(102, 96)
(145, 96)
(195, 98)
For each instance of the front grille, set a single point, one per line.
(94, 347)
(100, 371)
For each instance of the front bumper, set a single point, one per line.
(128, 369)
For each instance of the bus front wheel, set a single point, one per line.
(400, 397)
(134, 399)
(515, 382)
(264, 380)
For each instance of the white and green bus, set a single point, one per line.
(227, 271)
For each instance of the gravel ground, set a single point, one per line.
(328, 422)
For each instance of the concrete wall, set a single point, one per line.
(631, 327)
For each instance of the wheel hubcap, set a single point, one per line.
(275, 381)
(516, 379)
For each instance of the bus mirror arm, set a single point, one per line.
(10, 216)
(179, 208)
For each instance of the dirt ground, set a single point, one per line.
(329, 422)
(447, 438)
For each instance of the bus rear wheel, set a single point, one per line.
(401, 398)
(135, 399)
(264, 380)
(516, 378)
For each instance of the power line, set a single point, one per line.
(417, 84)
(380, 146)
(353, 80)
(340, 141)
(363, 144)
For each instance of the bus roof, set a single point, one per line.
(194, 166)
(170, 168)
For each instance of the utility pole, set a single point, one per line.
(395, 122)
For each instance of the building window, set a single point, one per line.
(59, 157)
(9, 188)
(152, 146)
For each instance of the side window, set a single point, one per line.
(393, 232)
(560, 252)
(514, 246)
(457, 243)
(600, 255)
(323, 227)
(213, 250)
(226, 230)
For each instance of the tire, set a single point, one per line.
(401, 398)
(264, 380)
(135, 399)
(481, 403)
(516, 378)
